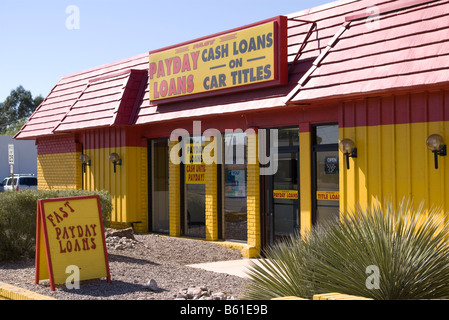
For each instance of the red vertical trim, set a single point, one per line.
(47, 246)
(105, 253)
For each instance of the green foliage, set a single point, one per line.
(18, 218)
(16, 109)
(409, 247)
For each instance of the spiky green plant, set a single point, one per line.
(408, 248)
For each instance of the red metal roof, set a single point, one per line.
(408, 46)
(88, 99)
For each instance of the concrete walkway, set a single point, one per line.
(234, 267)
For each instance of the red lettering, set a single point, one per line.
(68, 205)
(190, 84)
(80, 231)
(77, 246)
(65, 214)
(153, 69)
(155, 91)
(50, 217)
(195, 56)
(176, 65)
(87, 234)
(69, 246)
(58, 217)
(92, 240)
(168, 63)
(85, 244)
(93, 226)
(161, 69)
(71, 229)
(61, 250)
(172, 90)
(185, 63)
(58, 233)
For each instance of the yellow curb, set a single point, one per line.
(10, 292)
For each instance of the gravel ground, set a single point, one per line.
(152, 257)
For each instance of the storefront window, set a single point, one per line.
(326, 173)
(235, 217)
(160, 194)
(195, 190)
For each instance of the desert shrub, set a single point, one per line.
(18, 218)
(408, 248)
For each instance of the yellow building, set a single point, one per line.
(235, 136)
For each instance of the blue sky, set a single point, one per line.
(37, 48)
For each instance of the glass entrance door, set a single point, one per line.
(282, 193)
(325, 174)
(284, 219)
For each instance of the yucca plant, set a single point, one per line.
(373, 252)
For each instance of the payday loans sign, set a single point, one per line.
(70, 232)
(247, 58)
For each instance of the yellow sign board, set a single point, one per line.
(249, 56)
(285, 194)
(195, 169)
(328, 195)
(70, 232)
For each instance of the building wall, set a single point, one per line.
(389, 131)
(25, 156)
(128, 185)
(58, 165)
(393, 162)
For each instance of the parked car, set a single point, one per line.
(21, 181)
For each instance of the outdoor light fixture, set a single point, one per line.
(435, 143)
(347, 147)
(85, 161)
(115, 159)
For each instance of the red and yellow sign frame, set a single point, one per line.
(285, 194)
(70, 231)
(251, 57)
(328, 195)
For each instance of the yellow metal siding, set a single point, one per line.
(393, 162)
(127, 186)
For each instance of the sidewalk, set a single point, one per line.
(233, 267)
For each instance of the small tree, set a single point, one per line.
(16, 109)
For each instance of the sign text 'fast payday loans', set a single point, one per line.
(236, 59)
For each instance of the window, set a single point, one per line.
(325, 176)
(160, 194)
(235, 216)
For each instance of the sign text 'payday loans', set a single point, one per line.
(233, 60)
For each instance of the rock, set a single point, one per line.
(121, 233)
(197, 292)
(201, 293)
(152, 285)
(119, 243)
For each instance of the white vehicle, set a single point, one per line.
(21, 181)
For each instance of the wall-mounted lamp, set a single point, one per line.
(435, 143)
(85, 161)
(347, 147)
(115, 159)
